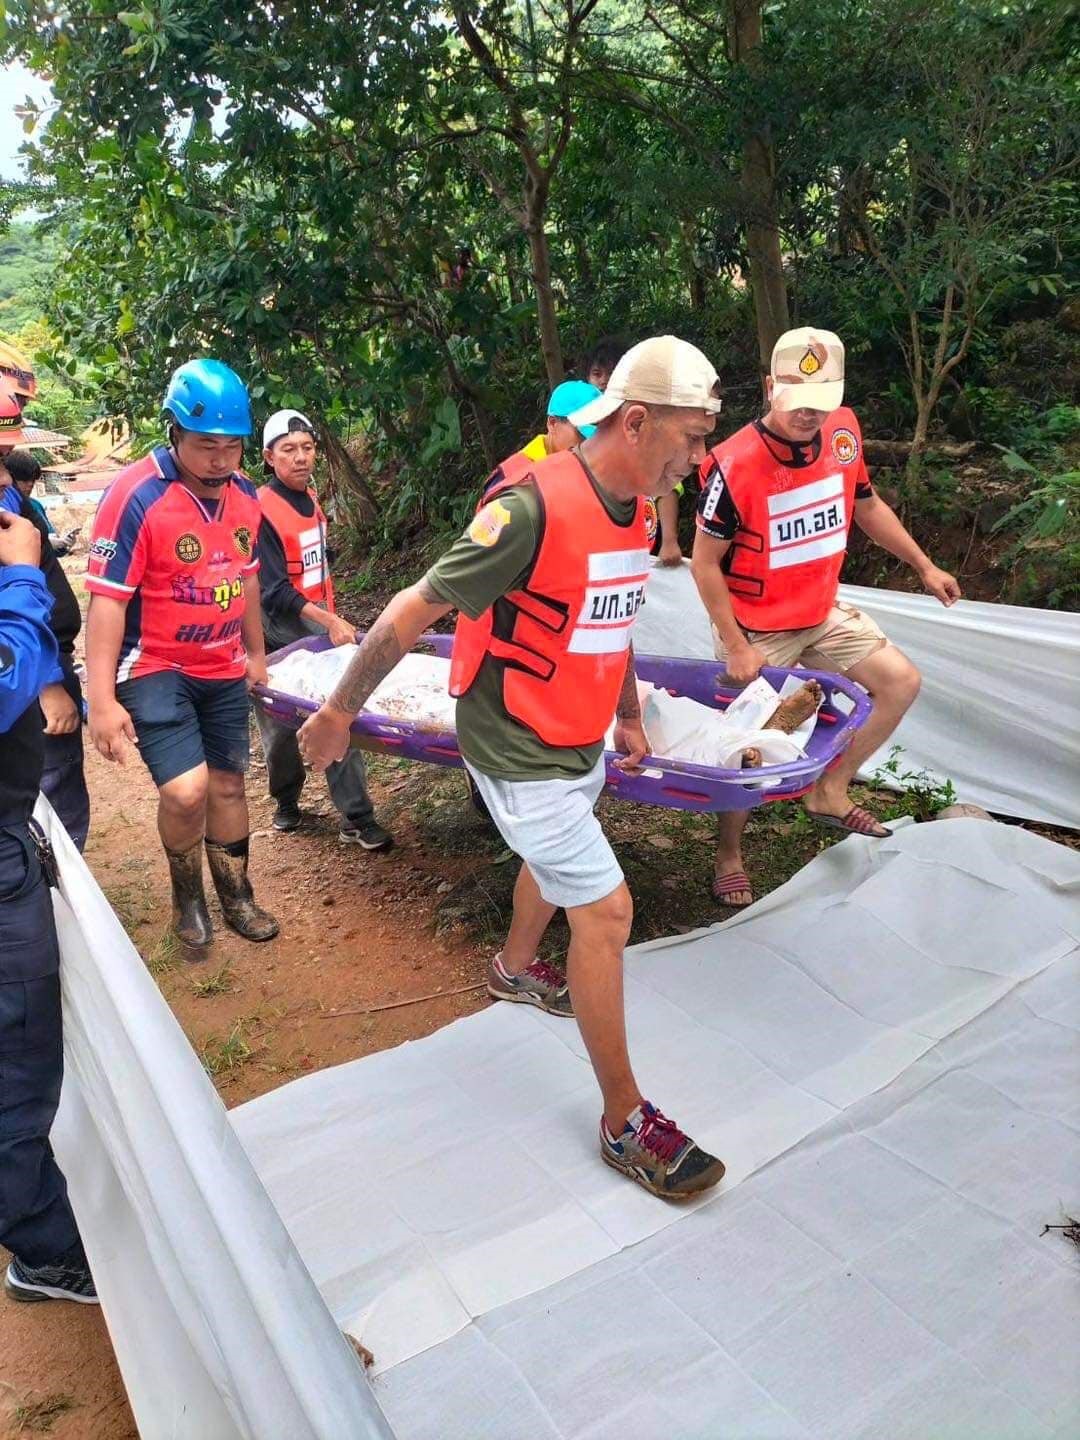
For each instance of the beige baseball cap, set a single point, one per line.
(808, 370)
(660, 371)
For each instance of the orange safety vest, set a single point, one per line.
(783, 567)
(510, 472)
(304, 541)
(563, 656)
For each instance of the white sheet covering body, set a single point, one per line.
(218, 1328)
(999, 707)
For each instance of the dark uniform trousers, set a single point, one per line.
(345, 779)
(36, 1222)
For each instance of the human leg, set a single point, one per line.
(285, 772)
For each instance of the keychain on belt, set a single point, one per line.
(46, 858)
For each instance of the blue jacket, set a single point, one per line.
(28, 651)
(9, 499)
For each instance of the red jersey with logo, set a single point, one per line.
(180, 562)
(787, 509)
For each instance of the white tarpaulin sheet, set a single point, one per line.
(218, 1328)
(885, 1053)
(998, 712)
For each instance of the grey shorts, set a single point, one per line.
(552, 825)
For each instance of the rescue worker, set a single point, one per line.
(775, 510)
(36, 1221)
(298, 600)
(174, 640)
(63, 780)
(25, 472)
(661, 511)
(548, 579)
(558, 434)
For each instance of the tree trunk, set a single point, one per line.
(344, 472)
(759, 196)
(550, 344)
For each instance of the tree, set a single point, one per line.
(958, 128)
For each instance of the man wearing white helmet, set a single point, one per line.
(298, 600)
(777, 502)
(548, 579)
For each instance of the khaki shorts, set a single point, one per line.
(843, 639)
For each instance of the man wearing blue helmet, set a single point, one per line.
(174, 640)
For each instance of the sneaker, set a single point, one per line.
(653, 1151)
(68, 1278)
(540, 985)
(369, 835)
(287, 817)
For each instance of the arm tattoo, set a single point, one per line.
(377, 656)
(627, 707)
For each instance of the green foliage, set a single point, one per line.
(229, 179)
(921, 795)
(27, 261)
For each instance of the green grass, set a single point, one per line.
(218, 982)
(37, 1417)
(220, 1056)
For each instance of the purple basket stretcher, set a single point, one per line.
(674, 784)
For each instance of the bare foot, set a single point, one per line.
(366, 1358)
(795, 708)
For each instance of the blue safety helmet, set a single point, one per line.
(207, 397)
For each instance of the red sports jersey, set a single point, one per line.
(180, 562)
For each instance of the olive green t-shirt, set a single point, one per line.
(492, 558)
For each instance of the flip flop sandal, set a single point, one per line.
(735, 883)
(857, 821)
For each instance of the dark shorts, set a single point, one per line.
(183, 723)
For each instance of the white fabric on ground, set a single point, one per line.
(458, 1175)
(1000, 697)
(218, 1328)
(884, 1051)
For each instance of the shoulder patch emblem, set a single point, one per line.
(103, 548)
(652, 520)
(845, 445)
(488, 524)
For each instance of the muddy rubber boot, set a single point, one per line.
(229, 872)
(190, 917)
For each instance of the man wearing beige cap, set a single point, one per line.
(548, 579)
(775, 510)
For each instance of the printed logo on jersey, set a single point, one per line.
(713, 495)
(186, 592)
(488, 524)
(652, 520)
(845, 445)
(103, 549)
(807, 523)
(242, 540)
(188, 549)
